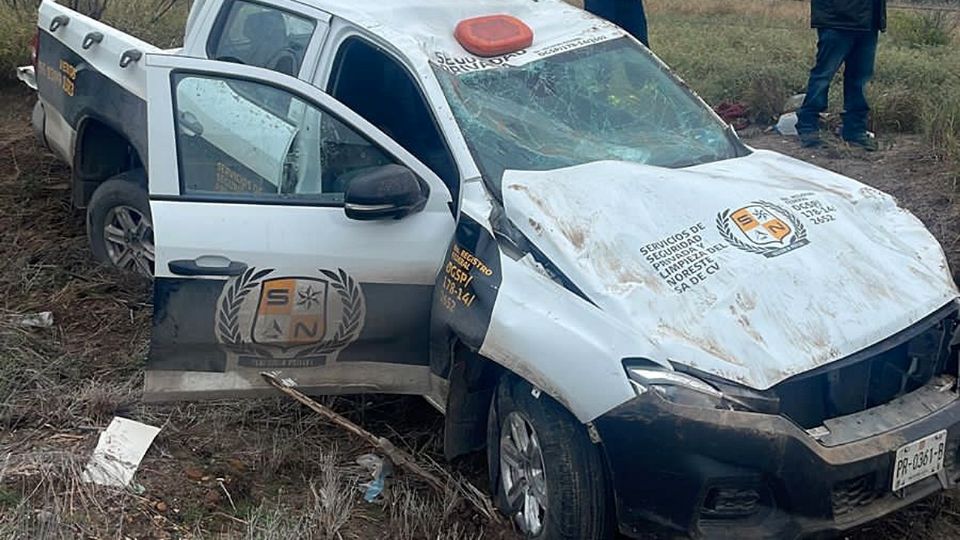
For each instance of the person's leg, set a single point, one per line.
(632, 18)
(605, 9)
(856, 74)
(627, 14)
(832, 48)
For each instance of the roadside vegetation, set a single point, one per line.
(759, 52)
(754, 52)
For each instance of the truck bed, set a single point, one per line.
(98, 44)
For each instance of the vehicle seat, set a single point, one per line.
(267, 32)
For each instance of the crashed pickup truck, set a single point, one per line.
(518, 212)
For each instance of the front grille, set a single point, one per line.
(875, 376)
(852, 494)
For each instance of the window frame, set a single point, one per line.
(333, 80)
(253, 198)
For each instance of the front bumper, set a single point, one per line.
(745, 475)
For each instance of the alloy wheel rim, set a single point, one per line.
(128, 235)
(522, 473)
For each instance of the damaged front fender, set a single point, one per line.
(560, 343)
(511, 311)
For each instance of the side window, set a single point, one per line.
(234, 143)
(377, 87)
(262, 36)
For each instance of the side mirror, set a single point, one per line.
(386, 192)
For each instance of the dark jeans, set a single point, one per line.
(627, 14)
(857, 51)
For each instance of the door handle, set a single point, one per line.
(189, 122)
(190, 267)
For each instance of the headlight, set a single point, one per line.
(675, 387)
(688, 386)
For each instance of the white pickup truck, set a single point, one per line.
(515, 210)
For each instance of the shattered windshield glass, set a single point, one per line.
(610, 101)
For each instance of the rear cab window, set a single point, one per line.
(259, 35)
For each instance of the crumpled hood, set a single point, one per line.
(753, 269)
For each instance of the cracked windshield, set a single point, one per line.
(606, 102)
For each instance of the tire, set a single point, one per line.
(119, 224)
(577, 505)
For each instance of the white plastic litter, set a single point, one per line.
(118, 453)
(27, 76)
(793, 102)
(37, 320)
(787, 125)
(379, 468)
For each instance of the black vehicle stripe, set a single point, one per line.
(79, 92)
(395, 326)
(466, 291)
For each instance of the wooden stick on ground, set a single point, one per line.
(398, 456)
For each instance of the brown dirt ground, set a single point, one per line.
(252, 469)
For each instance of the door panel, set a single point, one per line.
(258, 267)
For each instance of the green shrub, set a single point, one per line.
(137, 17)
(16, 31)
(941, 123)
(761, 61)
(934, 28)
(141, 18)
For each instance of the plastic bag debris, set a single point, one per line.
(787, 125)
(118, 453)
(27, 76)
(32, 320)
(793, 102)
(379, 469)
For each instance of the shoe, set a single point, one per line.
(810, 140)
(866, 143)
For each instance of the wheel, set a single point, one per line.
(119, 224)
(544, 471)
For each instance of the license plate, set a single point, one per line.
(919, 459)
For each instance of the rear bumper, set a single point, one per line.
(726, 474)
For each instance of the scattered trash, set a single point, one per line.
(396, 456)
(734, 114)
(787, 125)
(32, 320)
(793, 102)
(379, 470)
(118, 453)
(221, 482)
(27, 76)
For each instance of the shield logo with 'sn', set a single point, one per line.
(292, 312)
(762, 225)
